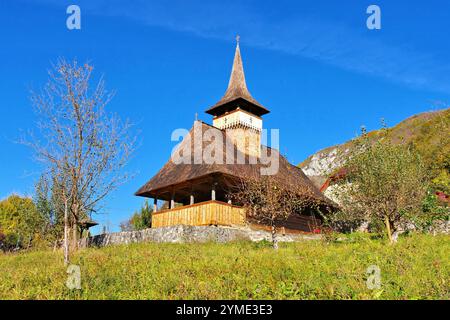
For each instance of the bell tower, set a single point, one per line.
(238, 113)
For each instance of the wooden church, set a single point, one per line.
(199, 193)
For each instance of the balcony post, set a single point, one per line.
(155, 204)
(213, 192)
(172, 200)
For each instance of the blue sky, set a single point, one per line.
(314, 64)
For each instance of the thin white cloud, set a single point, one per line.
(324, 41)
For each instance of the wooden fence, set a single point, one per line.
(200, 214)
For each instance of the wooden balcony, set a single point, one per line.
(200, 214)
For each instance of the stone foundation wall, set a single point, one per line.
(187, 234)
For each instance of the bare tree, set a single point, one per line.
(83, 147)
(268, 202)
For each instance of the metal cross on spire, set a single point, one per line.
(238, 37)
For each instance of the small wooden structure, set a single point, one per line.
(84, 226)
(203, 189)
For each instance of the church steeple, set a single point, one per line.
(237, 94)
(237, 87)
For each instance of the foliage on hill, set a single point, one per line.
(385, 183)
(417, 267)
(428, 133)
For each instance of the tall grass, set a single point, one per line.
(417, 267)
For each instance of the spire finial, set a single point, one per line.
(196, 116)
(237, 88)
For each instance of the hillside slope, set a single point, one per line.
(240, 270)
(428, 132)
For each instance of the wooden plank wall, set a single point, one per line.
(296, 223)
(200, 214)
(300, 222)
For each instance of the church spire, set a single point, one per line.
(237, 85)
(237, 89)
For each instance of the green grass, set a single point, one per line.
(417, 267)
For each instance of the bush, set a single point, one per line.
(433, 210)
(442, 181)
(139, 220)
(2, 240)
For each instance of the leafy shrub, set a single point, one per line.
(442, 181)
(140, 220)
(433, 210)
(2, 240)
(330, 236)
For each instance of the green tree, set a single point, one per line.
(140, 220)
(50, 209)
(20, 221)
(386, 183)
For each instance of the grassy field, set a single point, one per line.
(417, 267)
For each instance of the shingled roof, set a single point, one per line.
(172, 174)
(237, 93)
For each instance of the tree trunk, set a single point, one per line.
(74, 243)
(66, 234)
(74, 237)
(274, 236)
(388, 229)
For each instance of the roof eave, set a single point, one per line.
(260, 110)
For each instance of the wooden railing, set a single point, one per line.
(200, 214)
